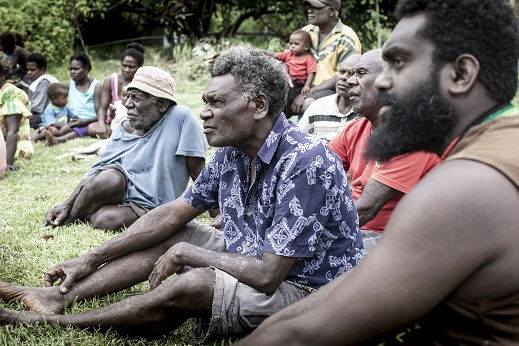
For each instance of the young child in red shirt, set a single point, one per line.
(301, 66)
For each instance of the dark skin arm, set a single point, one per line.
(374, 197)
(265, 274)
(59, 213)
(166, 219)
(308, 83)
(104, 101)
(76, 122)
(12, 123)
(17, 53)
(442, 223)
(103, 129)
(195, 165)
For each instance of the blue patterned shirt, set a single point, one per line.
(299, 205)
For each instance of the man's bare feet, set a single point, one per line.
(36, 299)
(49, 138)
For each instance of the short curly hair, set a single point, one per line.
(255, 73)
(486, 29)
(8, 41)
(84, 59)
(56, 89)
(134, 50)
(305, 34)
(38, 59)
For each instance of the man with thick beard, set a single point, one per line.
(376, 187)
(446, 269)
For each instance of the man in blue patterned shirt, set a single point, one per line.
(289, 225)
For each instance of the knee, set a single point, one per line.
(111, 220)
(307, 103)
(193, 289)
(108, 181)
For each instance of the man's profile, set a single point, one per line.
(289, 226)
(445, 270)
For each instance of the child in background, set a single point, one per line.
(117, 110)
(56, 115)
(301, 66)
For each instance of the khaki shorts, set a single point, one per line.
(237, 308)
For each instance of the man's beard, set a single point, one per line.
(419, 121)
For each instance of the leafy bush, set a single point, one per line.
(44, 25)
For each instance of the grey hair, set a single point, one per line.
(255, 73)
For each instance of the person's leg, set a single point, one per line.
(63, 130)
(50, 139)
(154, 313)
(115, 276)
(39, 136)
(105, 188)
(113, 217)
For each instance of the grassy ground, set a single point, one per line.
(28, 247)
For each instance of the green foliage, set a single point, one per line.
(56, 27)
(371, 25)
(44, 25)
(49, 27)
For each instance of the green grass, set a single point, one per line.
(28, 248)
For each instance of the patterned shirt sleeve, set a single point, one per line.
(203, 192)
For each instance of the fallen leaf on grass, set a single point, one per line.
(43, 196)
(47, 236)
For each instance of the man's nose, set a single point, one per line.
(383, 82)
(351, 81)
(205, 113)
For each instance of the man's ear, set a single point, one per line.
(164, 105)
(261, 105)
(465, 71)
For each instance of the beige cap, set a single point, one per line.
(154, 81)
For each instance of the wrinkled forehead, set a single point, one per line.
(350, 62)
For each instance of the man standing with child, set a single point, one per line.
(332, 43)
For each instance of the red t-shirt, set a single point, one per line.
(298, 67)
(401, 173)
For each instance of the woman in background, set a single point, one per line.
(84, 97)
(113, 87)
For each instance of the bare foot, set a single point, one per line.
(36, 299)
(49, 138)
(8, 316)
